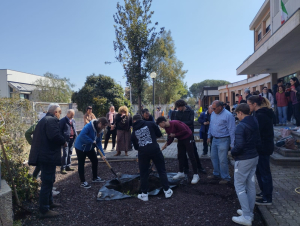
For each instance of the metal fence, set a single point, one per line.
(40, 107)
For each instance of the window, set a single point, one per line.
(259, 36)
(11, 90)
(268, 25)
(24, 96)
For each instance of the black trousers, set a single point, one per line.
(144, 163)
(187, 146)
(113, 133)
(48, 178)
(264, 177)
(296, 113)
(81, 156)
(185, 159)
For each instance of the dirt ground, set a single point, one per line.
(206, 203)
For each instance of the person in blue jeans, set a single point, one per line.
(247, 142)
(221, 129)
(68, 129)
(89, 138)
(204, 120)
(260, 107)
(282, 105)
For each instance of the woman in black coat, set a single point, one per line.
(261, 109)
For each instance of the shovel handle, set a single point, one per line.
(104, 159)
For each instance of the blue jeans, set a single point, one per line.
(48, 178)
(219, 152)
(264, 177)
(67, 154)
(282, 114)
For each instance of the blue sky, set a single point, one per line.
(74, 38)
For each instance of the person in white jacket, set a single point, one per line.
(268, 95)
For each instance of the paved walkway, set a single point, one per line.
(169, 152)
(285, 210)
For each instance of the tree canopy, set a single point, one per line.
(169, 85)
(100, 92)
(52, 88)
(196, 88)
(134, 38)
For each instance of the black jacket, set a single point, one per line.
(227, 107)
(144, 136)
(65, 128)
(123, 122)
(47, 142)
(247, 139)
(187, 117)
(247, 97)
(264, 117)
(151, 119)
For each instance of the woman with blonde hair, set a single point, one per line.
(123, 122)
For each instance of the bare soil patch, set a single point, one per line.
(206, 203)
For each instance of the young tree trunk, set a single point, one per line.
(140, 103)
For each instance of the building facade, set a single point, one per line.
(276, 44)
(15, 83)
(208, 95)
(276, 50)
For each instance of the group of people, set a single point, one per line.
(251, 143)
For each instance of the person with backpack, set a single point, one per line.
(144, 137)
(247, 142)
(260, 107)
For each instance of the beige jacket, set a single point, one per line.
(88, 117)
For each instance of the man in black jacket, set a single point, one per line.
(147, 116)
(144, 137)
(46, 152)
(68, 129)
(247, 142)
(186, 115)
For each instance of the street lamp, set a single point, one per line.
(153, 76)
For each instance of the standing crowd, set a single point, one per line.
(250, 143)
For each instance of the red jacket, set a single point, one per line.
(180, 129)
(282, 100)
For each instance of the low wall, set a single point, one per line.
(6, 211)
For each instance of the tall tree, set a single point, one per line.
(100, 92)
(169, 84)
(196, 88)
(53, 88)
(134, 38)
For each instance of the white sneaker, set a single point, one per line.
(143, 197)
(179, 175)
(113, 149)
(55, 193)
(242, 221)
(240, 212)
(168, 193)
(196, 179)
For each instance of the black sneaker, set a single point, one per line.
(85, 185)
(98, 180)
(262, 202)
(201, 170)
(259, 196)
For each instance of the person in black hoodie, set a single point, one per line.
(186, 115)
(261, 109)
(244, 152)
(143, 138)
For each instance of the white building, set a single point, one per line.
(276, 45)
(18, 83)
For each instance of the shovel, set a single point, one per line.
(109, 166)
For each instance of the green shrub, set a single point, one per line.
(16, 117)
